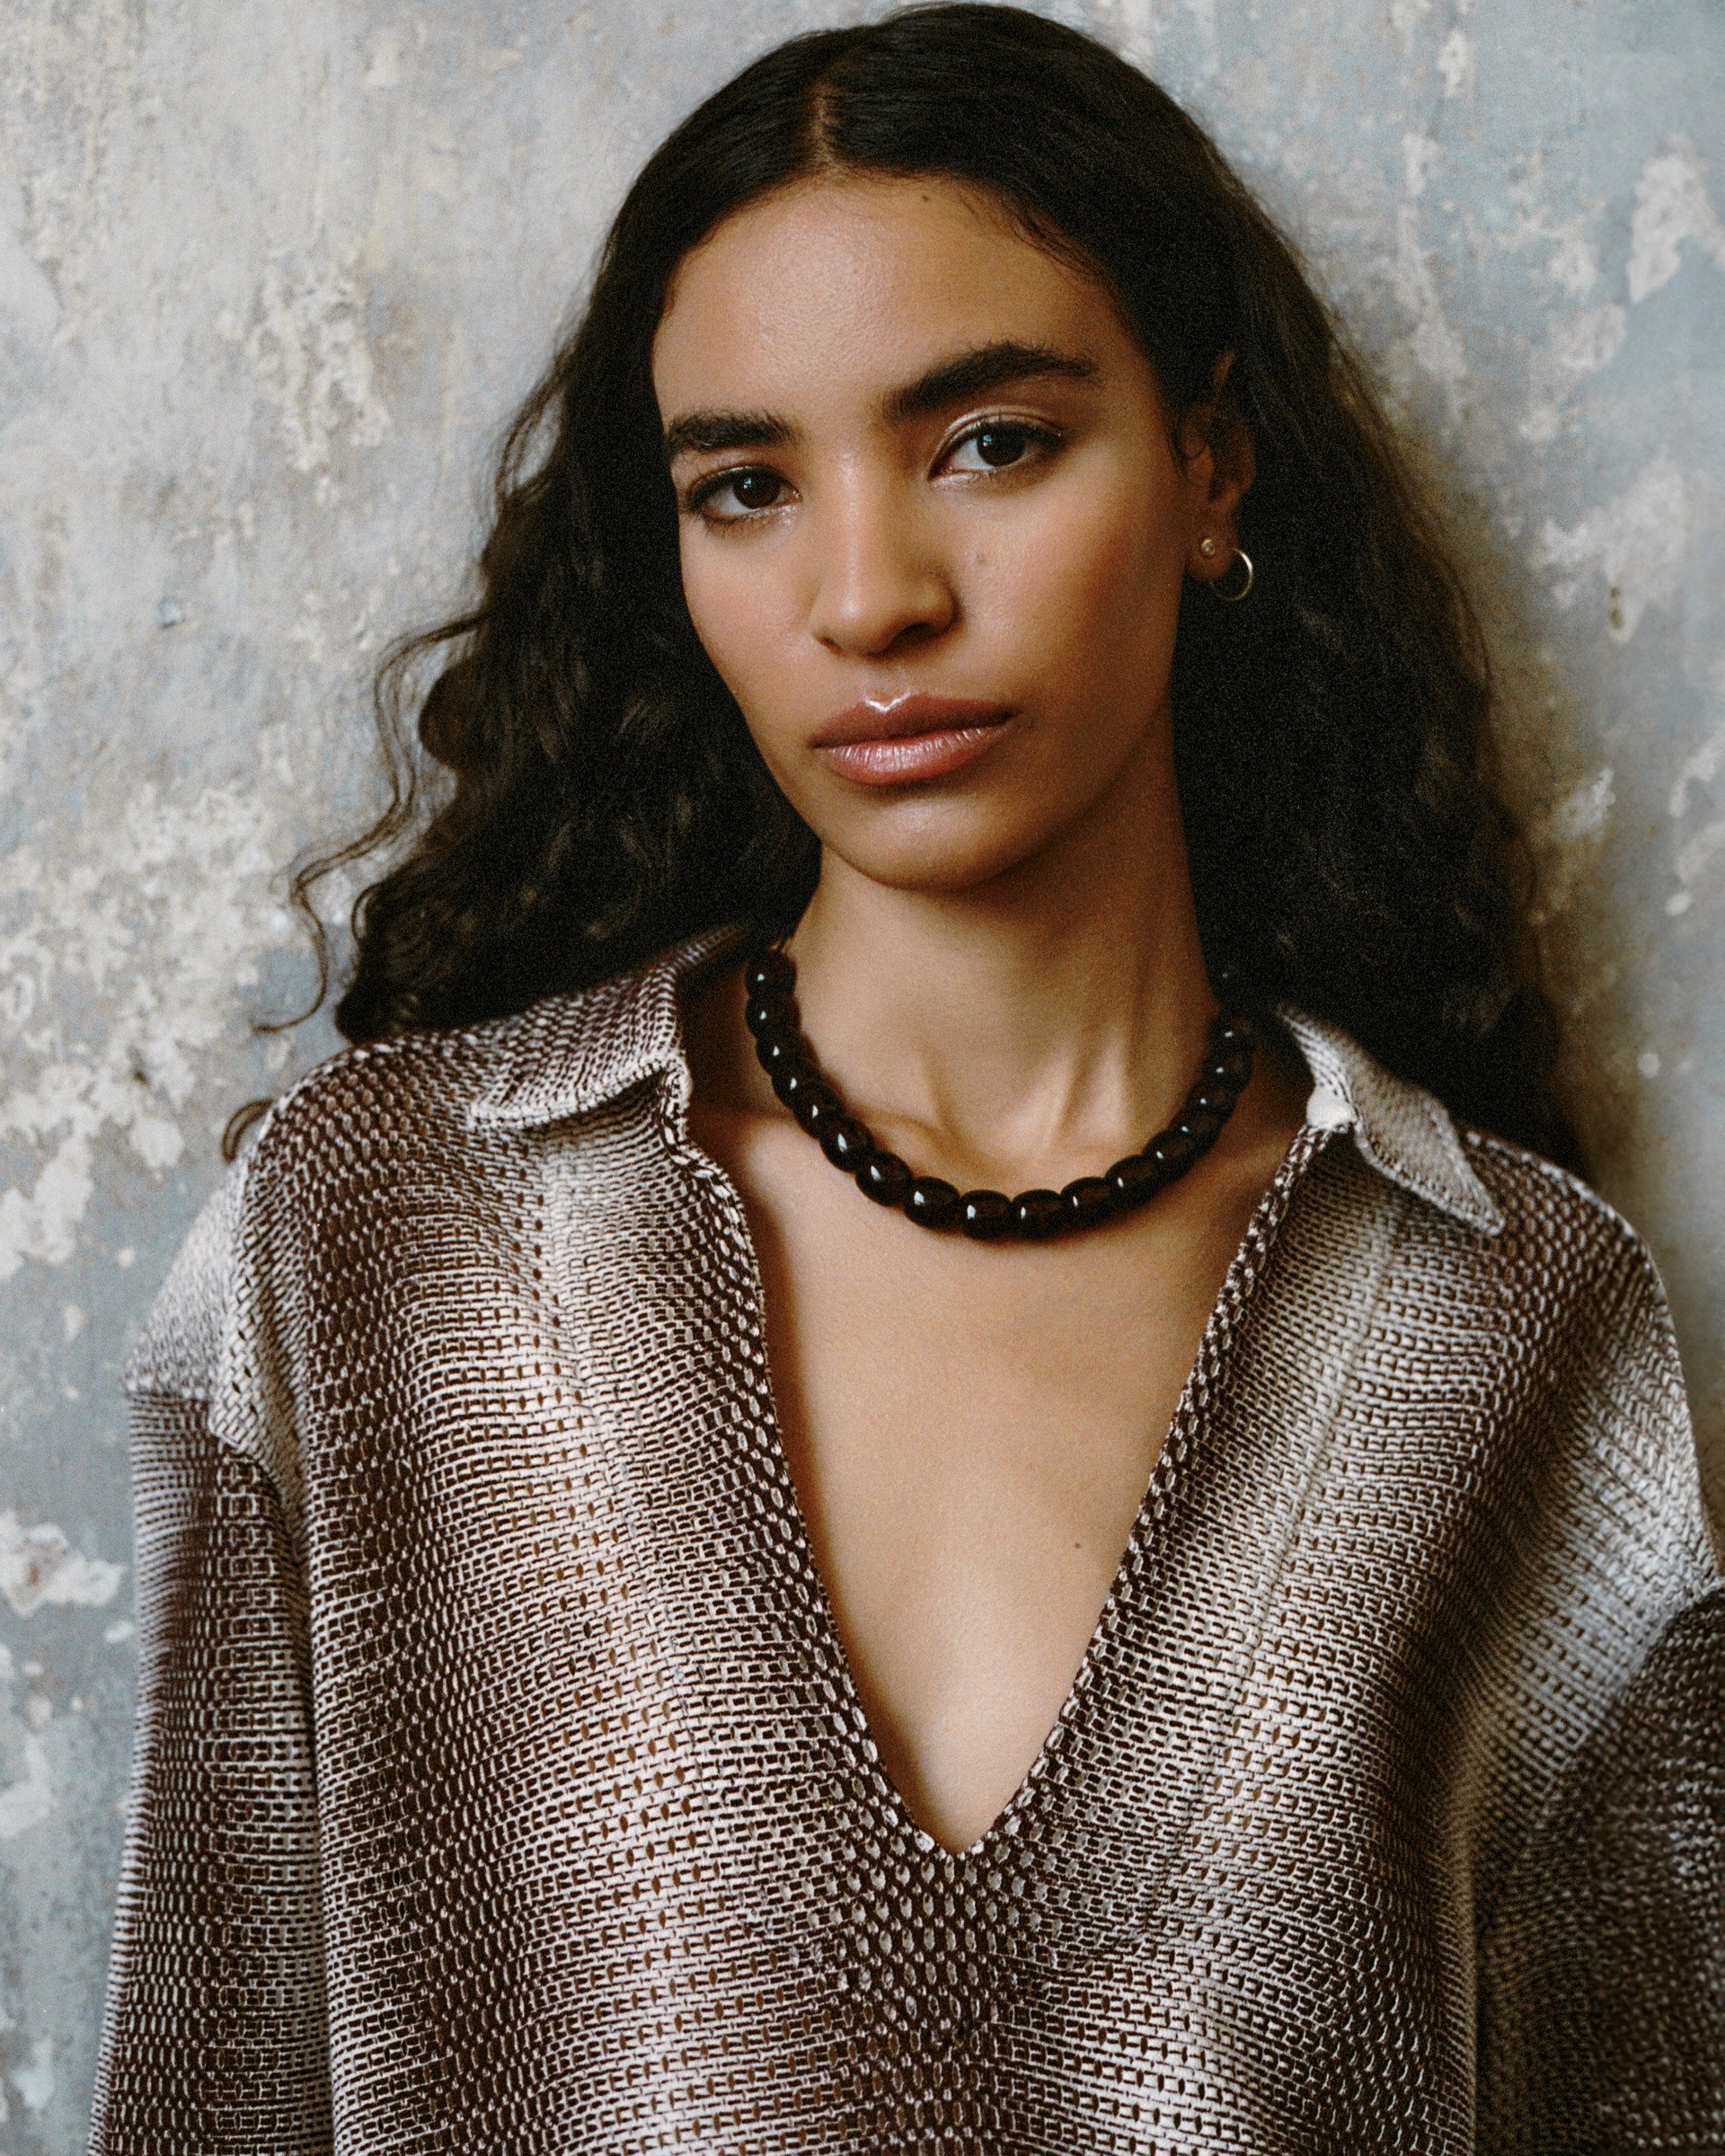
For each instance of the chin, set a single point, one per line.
(941, 861)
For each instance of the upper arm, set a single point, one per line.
(1601, 1950)
(1602, 1976)
(214, 2032)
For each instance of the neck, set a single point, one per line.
(1025, 1029)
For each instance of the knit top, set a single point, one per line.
(500, 1785)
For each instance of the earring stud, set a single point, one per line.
(1207, 546)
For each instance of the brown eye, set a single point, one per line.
(999, 445)
(756, 490)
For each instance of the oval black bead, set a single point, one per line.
(774, 1052)
(1229, 1066)
(1038, 1212)
(790, 1083)
(815, 1106)
(1172, 1151)
(772, 1014)
(1213, 1097)
(1091, 1199)
(884, 1178)
(1199, 1124)
(1236, 1033)
(985, 1214)
(1136, 1177)
(845, 1143)
(768, 971)
(932, 1202)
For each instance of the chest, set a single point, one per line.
(971, 1430)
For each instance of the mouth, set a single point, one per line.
(917, 736)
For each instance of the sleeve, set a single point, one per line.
(214, 2034)
(1602, 1982)
(1601, 1968)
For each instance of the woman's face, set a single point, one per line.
(932, 533)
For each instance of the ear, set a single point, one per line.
(1222, 464)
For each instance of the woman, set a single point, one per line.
(1202, 1645)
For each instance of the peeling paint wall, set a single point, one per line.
(270, 279)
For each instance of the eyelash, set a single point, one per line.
(1040, 435)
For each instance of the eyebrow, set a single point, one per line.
(973, 373)
(966, 375)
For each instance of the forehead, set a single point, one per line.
(861, 281)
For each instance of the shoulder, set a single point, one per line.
(1517, 1291)
(365, 1112)
(369, 1126)
(1562, 1244)
(1584, 1313)
(419, 1094)
(1487, 1205)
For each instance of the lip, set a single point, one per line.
(917, 735)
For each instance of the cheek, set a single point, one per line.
(719, 606)
(1099, 582)
(736, 602)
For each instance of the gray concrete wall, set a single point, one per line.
(271, 276)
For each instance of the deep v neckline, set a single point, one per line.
(1156, 1514)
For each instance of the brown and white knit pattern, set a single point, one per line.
(500, 1786)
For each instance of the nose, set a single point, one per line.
(878, 577)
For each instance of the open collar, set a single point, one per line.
(569, 1055)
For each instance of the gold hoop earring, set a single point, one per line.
(1232, 598)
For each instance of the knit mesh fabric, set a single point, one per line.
(500, 1785)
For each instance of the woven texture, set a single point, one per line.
(500, 1786)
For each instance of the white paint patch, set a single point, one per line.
(1590, 341)
(1405, 17)
(119, 1632)
(1435, 348)
(28, 1801)
(148, 919)
(39, 1564)
(73, 1321)
(385, 72)
(308, 345)
(1572, 264)
(1456, 63)
(1420, 155)
(35, 2081)
(1637, 543)
(29, 304)
(1694, 859)
(42, 1223)
(1138, 27)
(1671, 205)
(1648, 1063)
(1565, 839)
(1699, 769)
(1585, 809)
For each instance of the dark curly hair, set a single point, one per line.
(604, 797)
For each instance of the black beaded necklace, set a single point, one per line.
(770, 976)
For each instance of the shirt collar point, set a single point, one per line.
(570, 1054)
(1400, 1128)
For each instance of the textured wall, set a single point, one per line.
(269, 279)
